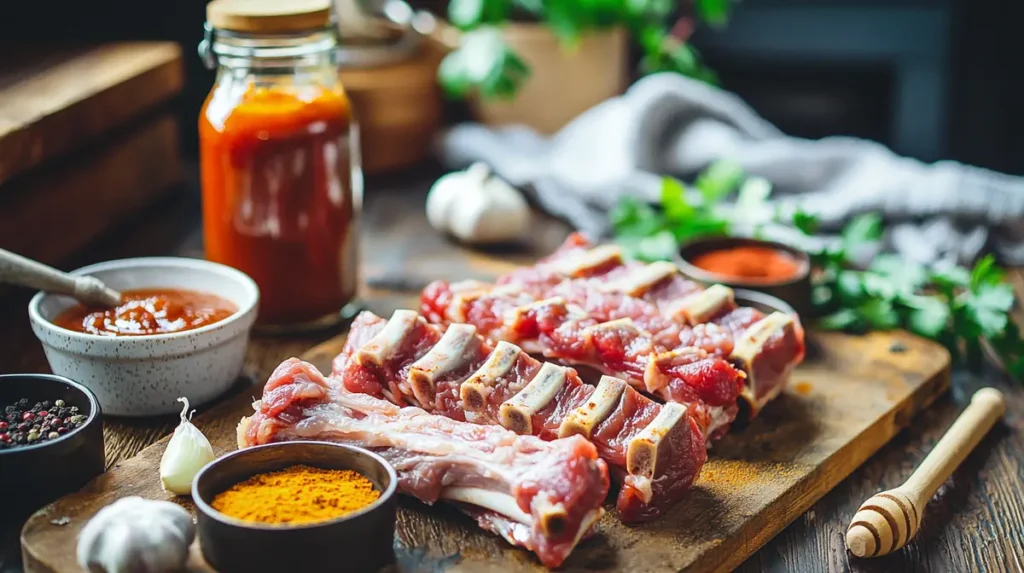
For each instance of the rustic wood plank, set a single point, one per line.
(88, 195)
(54, 101)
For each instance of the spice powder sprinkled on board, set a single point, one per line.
(297, 495)
(736, 474)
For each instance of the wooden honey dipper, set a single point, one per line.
(890, 519)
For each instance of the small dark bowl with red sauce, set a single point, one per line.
(773, 268)
(181, 330)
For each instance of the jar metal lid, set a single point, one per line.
(268, 16)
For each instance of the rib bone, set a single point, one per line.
(388, 341)
(619, 325)
(584, 419)
(516, 412)
(654, 379)
(514, 315)
(476, 388)
(749, 349)
(578, 264)
(497, 502)
(638, 282)
(758, 334)
(702, 306)
(642, 452)
(447, 355)
(553, 517)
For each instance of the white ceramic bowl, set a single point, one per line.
(145, 375)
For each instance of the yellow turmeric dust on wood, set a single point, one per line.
(296, 495)
(733, 474)
(802, 388)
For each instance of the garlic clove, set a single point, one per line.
(477, 207)
(442, 198)
(465, 223)
(508, 216)
(186, 453)
(135, 535)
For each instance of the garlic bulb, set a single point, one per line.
(135, 535)
(187, 452)
(477, 207)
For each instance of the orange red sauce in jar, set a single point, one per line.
(749, 263)
(278, 197)
(149, 311)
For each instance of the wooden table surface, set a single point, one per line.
(975, 523)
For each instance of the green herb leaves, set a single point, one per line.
(962, 310)
(468, 14)
(491, 69)
(483, 63)
(718, 180)
(862, 230)
(652, 235)
(714, 12)
(967, 310)
(928, 316)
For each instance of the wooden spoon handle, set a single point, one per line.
(18, 270)
(987, 406)
(890, 519)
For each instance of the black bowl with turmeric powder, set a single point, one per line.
(773, 268)
(296, 506)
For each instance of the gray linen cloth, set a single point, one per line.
(667, 124)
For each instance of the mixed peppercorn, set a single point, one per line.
(44, 421)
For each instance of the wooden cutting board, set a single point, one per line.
(848, 399)
(55, 100)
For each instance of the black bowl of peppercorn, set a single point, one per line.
(51, 438)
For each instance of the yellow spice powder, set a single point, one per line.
(298, 494)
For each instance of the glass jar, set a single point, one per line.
(279, 159)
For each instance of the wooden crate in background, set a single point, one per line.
(87, 139)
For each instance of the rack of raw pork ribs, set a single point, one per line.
(454, 399)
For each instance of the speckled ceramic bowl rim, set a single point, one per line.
(246, 308)
(94, 410)
(802, 258)
(205, 507)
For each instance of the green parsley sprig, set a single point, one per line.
(966, 310)
(651, 234)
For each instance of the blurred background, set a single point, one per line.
(933, 79)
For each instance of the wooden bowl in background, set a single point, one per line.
(398, 107)
(563, 82)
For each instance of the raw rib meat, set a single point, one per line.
(543, 496)
(656, 451)
(657, 310)
(558, 329)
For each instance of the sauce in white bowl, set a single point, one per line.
(143, 375)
